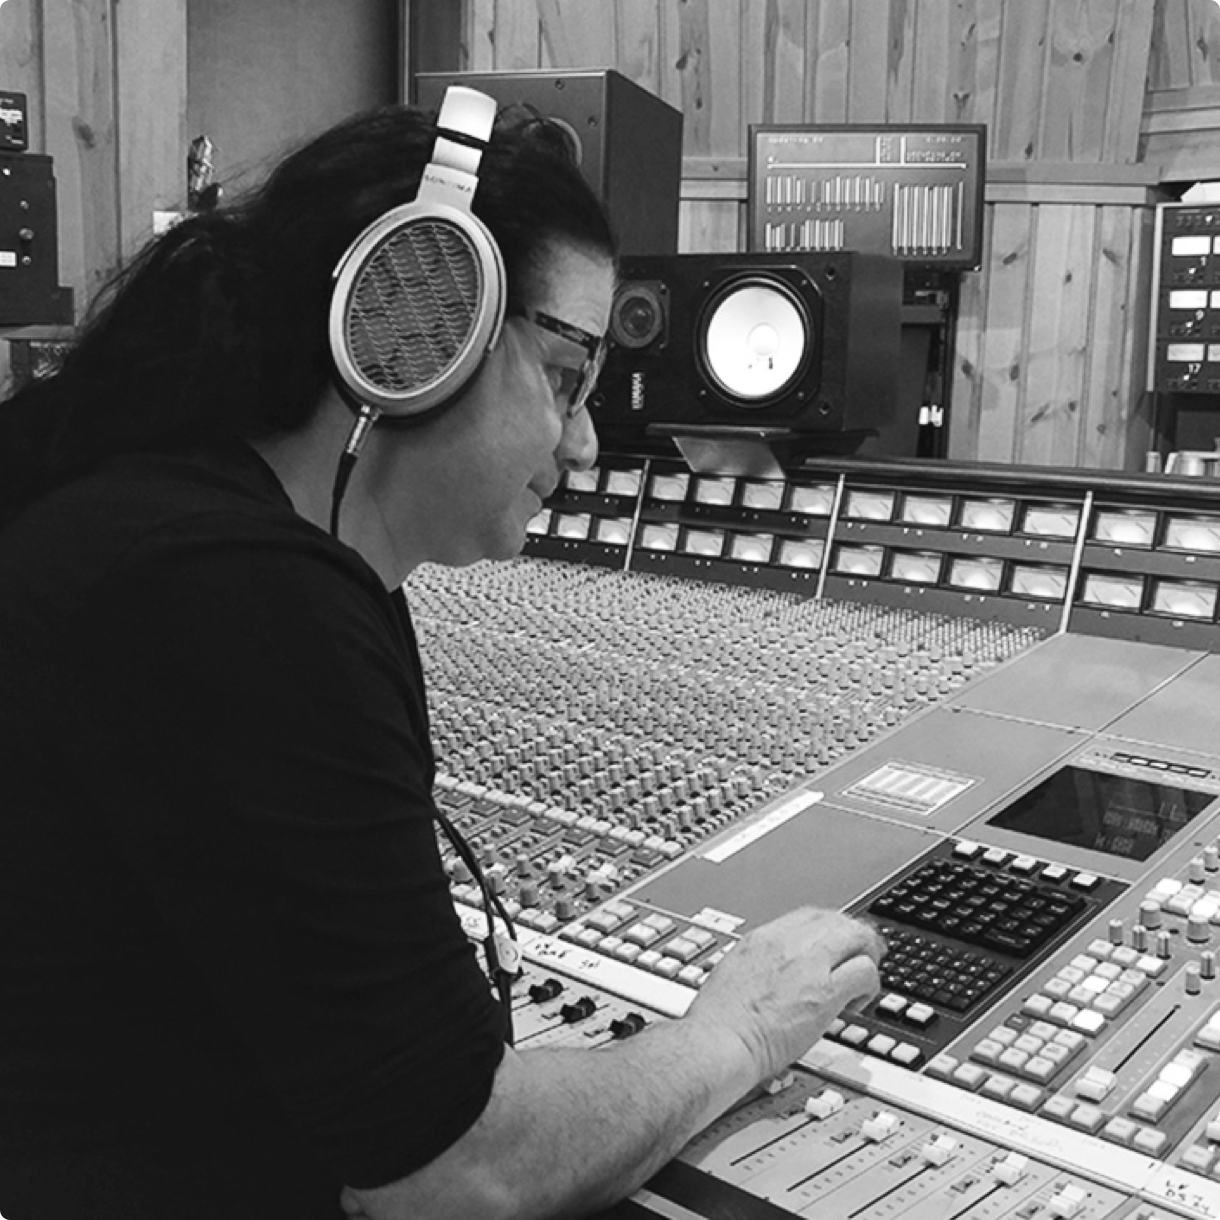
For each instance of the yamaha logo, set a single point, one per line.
(637, 391)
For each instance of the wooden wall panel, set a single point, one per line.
(1048, 367)
(1056, 332)
(1185, 44)
(637, 31)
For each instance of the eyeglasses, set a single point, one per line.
(576, 384)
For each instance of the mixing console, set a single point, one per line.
(602, 724)
(654, 749)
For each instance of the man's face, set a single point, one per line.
(503, 450)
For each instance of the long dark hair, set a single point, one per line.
(218, 327)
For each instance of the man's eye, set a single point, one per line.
(554, 378)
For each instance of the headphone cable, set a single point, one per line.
(365, 419)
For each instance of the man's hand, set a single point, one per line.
(785, 982)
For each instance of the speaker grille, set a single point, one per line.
(414, 306)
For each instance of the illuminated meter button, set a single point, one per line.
(966, 850)
(939, 1149)
(1086, 881)
(891, 1005)
(1067, 1202)
(1209, 1035)
(826, 1103)
(880, 1127)
(641, 934)
(995, 856)
(920, 1015)
(1012, 1168)
(1024, 864)
(1054, 872)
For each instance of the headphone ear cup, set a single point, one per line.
(418, 303)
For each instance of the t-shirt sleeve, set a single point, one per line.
(253, 736)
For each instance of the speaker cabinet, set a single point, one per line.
(628, 140)
(806, 345)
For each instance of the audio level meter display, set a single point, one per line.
(915, 193)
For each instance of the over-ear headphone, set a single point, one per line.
(419, 296)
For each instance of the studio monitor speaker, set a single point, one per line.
(804, 344)
(628, 141)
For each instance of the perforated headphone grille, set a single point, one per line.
(415, 306)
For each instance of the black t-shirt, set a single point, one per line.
(233, 979)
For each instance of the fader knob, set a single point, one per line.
(939, 1149)
(1192, 980)
(826, 1103)
(1207, 964)
(1012, 1168)
(1116, 931)
(1163, 948)
(1139, 938)
(1211, 858)
(1067, 1202)
(879, 1127)
(1195, 870)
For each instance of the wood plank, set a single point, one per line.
(577, 35)
(21, 63)
(694, 76)
(773, 61)
(968, 382)
(900, 62)
(708, 227)
(1132, 55)
(1169, 64)
(829, 61)
(518, 39)
(671, 59)
(1203, 41)
(1081, 61)
(1188, 156)
(725, 77)
(1111, 377)
(638, 38)
(976, 95)
(1005, 323)
(1022, 78)
(150, 68)
(81, 139)
(935, 41)
(868, 75)
(478, 51)
(1137, 430)
(1175, 101)
(1060, 287)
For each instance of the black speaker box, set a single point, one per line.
(30, 294)
(629, 141)
(805, 345)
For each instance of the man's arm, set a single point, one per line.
(568, 1131)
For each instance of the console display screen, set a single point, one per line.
(1118, 815)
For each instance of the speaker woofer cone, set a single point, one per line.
(755, 340)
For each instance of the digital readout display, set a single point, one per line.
(1117, 815)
